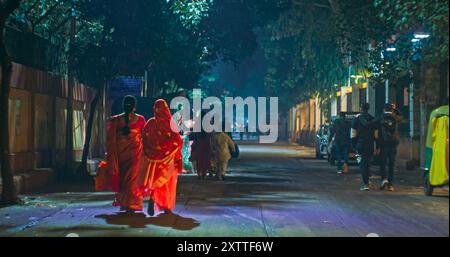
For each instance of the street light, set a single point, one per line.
(421, 35)
(391, 49)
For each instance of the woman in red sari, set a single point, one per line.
(124, 148)
(162, 160)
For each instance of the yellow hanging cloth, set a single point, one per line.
(439, 162)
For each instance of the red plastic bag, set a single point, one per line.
(106, 179)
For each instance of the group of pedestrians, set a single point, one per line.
(370, 137)
(144, 159)
(211, 152)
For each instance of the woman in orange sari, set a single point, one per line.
(124, 148)
(161, 161)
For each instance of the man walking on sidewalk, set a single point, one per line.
(363, 134)
(387, 143)
(340, 134)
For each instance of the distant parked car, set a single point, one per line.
(322, 141)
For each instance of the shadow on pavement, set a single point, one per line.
(140, 220)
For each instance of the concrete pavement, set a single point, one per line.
(273, 190)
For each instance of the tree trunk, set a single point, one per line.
(69, 106)
(423, 113)
(8, 190)
(82, 169)
(429, 99)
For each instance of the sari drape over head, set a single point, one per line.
(161, 160)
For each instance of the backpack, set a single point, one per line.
(388, 129)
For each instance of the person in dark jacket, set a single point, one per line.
(387, 143)
(201, 153)
(340, 134)
(363, 134)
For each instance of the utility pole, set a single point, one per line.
(349, 82)
(145, 87)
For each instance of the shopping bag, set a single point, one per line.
(106, 179)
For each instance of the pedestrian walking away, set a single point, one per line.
(161, 162)
(201, 153)
(340, 134)
(221, 146)
(387, 144)
(363, 134)
(124, 146)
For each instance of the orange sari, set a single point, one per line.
(161, 161)
(121, 165)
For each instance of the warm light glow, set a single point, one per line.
(357, 78)
(338, 93)
(364, 85)
(348, 90)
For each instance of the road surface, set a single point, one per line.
(273, 190)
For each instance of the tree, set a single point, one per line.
(408, 17)
(232, 31)
(425, 60)
(9, 196)
(133, 36)
(60, 23)
(90, 68)
(320, 35)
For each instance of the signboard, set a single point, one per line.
(122, 86)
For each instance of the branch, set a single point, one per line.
(31, 7)
(299, 2)
(80, 28)
(62, 23)
(322, 6)
(335, 6)
(46, 14)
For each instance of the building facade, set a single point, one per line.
(37, 120)
(305, 118)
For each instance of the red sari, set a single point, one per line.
(162, 160)
(122, 160)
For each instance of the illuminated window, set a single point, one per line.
(78, 130)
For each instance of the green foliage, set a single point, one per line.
(310, 44)
(191, 12)
(307, 43)
(404, 19)
(50, 20)
(307, 51)
(121, 37)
